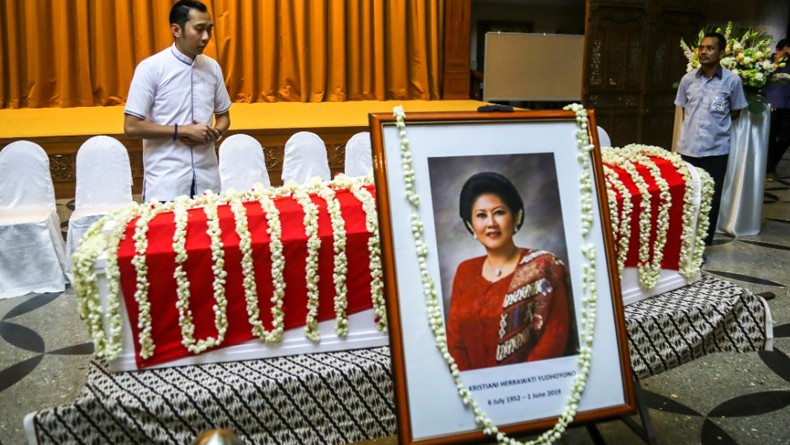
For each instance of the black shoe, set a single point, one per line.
(767, 295)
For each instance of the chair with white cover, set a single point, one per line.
(305, 158)
(32, 256)
(603, 138)
(241, 163)
(103, 184)
(359, 158)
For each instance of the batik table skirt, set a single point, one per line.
(347, 396)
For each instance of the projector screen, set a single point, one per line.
(536, 67)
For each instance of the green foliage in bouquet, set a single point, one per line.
(748, 54)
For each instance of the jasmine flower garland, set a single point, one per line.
(311, 264)
(662, 222)
(646, 278)
(374, 242)
(95, 243)
(247, 266)
(614, 215)
(703, 222)
(340, 272)
(210, 202)
(622, 230)
(435, 315)
(274, 230)
(148, 212)
(686, 262)
(92, 245)
(180, 275)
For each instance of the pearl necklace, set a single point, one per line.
(498, 270)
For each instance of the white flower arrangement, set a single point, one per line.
(95, 243)
(435, 315)
(747, 54)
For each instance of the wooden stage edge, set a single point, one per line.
(61, 131)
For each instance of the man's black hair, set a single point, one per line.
(781, 44)
(179, 13)
(720, 38)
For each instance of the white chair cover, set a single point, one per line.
(32, 256)
(241, 163)
(104, 183)
(359, 157)
(603, 138)
(305, 157)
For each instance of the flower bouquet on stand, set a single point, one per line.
(748, 54)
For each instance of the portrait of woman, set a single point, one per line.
(511, 304)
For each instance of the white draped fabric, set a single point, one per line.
(241, 163)
(742, 196)
(359, 158)
(603, 138)
(32, 253)
(103, 184)
(305, 158)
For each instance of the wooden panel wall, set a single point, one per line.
(632, 61)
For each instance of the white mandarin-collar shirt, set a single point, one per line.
(170, 88)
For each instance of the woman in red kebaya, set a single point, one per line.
(513, 304)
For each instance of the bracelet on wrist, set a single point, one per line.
(175, 133)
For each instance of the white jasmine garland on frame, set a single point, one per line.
(95, 242)
(451, 384)
(434, 311)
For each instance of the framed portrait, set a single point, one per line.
(496, 249)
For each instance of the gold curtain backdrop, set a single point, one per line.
(78, 53)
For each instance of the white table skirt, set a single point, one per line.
(742, 196)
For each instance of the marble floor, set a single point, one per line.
(722, 398)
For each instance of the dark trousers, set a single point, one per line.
(779, 138)
(716, 166)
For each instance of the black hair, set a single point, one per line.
(781, 44)
(718, 36)
(179, 13)
(490, 182)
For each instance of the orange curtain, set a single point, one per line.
(58, 53)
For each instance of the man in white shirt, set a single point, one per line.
(179, 105)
